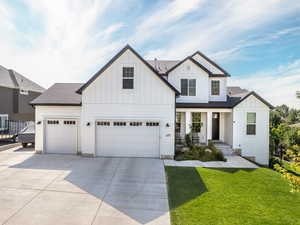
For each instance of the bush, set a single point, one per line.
(188, 140)
(202, 153)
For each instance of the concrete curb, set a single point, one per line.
(9, 146)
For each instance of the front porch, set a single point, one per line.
(204, 125)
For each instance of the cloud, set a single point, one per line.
(278, 86)
(234, 53)
(75, 38)
(164, 16)
(224, 22)
(68, 49)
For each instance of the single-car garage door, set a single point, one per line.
(127, 138)
(61, 136)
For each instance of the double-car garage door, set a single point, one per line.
(127, 138)
(117, 138)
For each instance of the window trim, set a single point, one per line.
(128, 78)
(212, 89)
(178, 122)
(188, 87)
(2, 121)
(251, 123)
(198, 122)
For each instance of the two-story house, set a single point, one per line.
(137, 108)
(16, 92)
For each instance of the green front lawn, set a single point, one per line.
(201, 196)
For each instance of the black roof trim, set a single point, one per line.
(55, 104)
(257, 96)
(209, 105)
(79, 91)
(212, 62)
(188, 58)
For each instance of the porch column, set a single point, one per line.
(209, 126)
(188, 122)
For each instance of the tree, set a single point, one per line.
(292, 116)
(278, 138)
(294, 179)
(283, 110)
(275, 118)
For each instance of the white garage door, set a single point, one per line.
(61, 136)
(127, 138)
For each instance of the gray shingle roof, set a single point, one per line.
(235, 96)
(60, 94)
(162, 66)
(12, 79)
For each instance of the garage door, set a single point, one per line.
(127, 138)
(61, 136)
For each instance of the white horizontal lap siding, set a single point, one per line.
(150, 99)
(223, 89)
(42, 113)
(188, 70)
(252, 145)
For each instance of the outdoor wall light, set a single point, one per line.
(39, 122)
(88, 124)
(167, 125)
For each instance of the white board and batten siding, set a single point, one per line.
(189, 70)
(150, 101)
(223, 89)
(252, 145)
(57, 132)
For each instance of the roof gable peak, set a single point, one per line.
(127, 47)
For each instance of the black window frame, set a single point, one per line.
(188, 87)
(215, 90)
(251, 126)
(128, 77)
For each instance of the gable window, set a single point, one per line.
(188, 87)
(128, 77)
(196, 122)
(251, 123)
(215, 87)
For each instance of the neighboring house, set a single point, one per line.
(16, 92)
(136, 108)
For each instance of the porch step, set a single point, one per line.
(225, 148)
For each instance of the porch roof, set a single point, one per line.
(230, 103)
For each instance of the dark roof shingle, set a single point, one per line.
(12, 79)
(60, 94)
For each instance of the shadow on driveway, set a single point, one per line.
(129, 189)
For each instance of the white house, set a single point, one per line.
(137, 108)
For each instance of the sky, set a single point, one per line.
(256, 41)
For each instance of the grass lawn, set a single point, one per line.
(230, 197)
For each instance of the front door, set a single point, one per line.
(216, 126)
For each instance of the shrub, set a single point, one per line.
(202, 153)
(188, 140)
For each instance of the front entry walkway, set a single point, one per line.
(233, 161)
(68, 189)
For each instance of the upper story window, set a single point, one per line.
(215, 87)
(251, 123)
(128, 77)
(188, 87)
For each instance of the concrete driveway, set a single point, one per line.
(65, 189)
